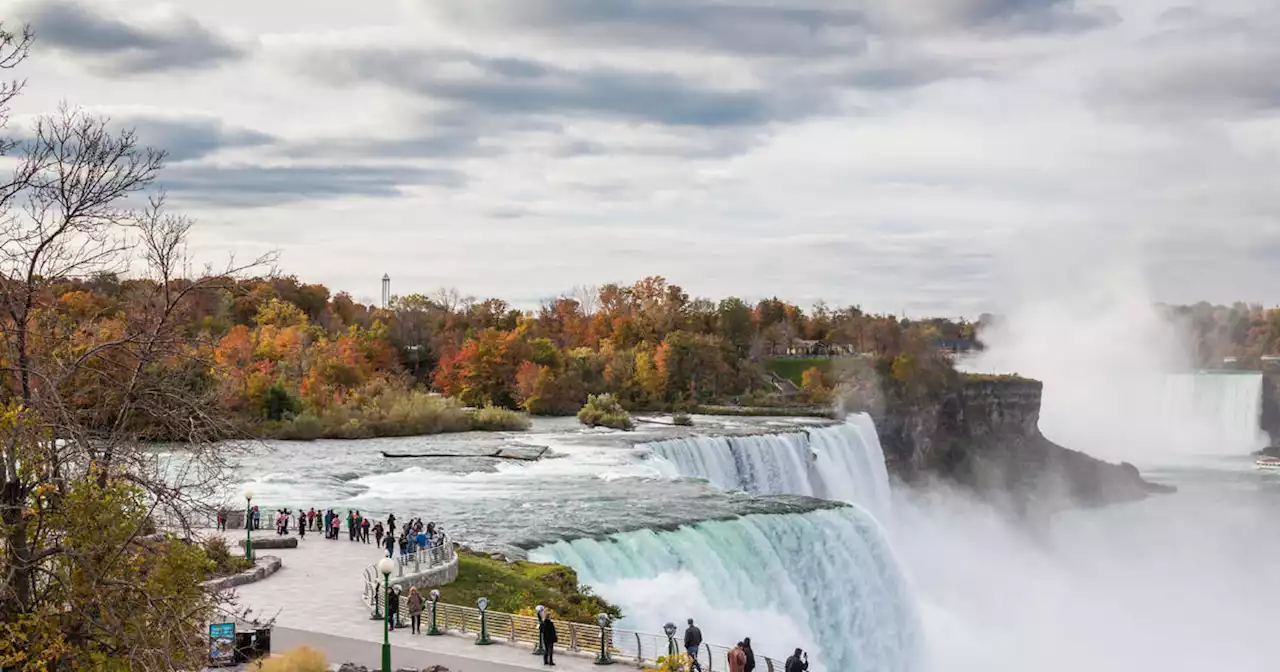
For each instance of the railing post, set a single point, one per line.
(639, 650)
(573, 637)
(710, 658)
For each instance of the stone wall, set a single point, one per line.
(430, 578)
(983, 433)
(266, 566)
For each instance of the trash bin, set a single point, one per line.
(262, 642)
(244, 647)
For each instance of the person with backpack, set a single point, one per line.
(751, 656)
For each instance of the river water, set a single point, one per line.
(730, 522)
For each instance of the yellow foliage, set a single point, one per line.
(301, 659)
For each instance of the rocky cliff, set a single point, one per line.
(983, 433)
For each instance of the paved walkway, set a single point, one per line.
(315, 599)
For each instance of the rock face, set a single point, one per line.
(984, 434)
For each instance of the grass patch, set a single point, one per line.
(604, 410)
(393, 413)
(793, 368)
(995, 378)
(517, 587)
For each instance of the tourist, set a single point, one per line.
(415, 612)
(391, 545)
(404, 546)
(737, 659)
(302, 524)
(692, 642)
(393, 607)
(547, 632)
(795, 664)
(311, 518)
(391, 524)
(257, 521)
(364, 530)
(377, 533)
(337, 525)
(222, 519)
(751, 655)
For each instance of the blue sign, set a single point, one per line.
(222, 642)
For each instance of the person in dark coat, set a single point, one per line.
(547, 631)
(393, 608)
(751, 655)
(692, 642)
(302, 524)
(794, 664)
(391, 546)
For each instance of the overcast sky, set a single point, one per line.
(926, 156)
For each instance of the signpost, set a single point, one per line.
(222, 643)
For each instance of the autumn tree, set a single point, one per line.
(84, 587)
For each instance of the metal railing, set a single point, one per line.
(421, 560)
(623, 645)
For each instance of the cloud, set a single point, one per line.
(185, 138)
(111, 45)
(242, 186)
(1198, 67)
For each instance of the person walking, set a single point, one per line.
(693, 642)
(415, 611)
(751, 656)
(364, 530)
(302, 524)
(795, 664)
(222, 519)
(393, 607)
(377, 533)
(737, 659)
(391, 546)
(337, 525)
(547, 632)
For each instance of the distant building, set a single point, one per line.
(386, 290)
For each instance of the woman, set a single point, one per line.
(377, 533)
(393, 608)
(415, 611)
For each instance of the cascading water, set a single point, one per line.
(826, 581)
(1227, 405)
(841, 462)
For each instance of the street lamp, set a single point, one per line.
(604, 658)
(537, 648)
(248, 525)
(435, 597)
(483, 639)
(386, 566)
(670, 629)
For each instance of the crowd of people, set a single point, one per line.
(412, 536)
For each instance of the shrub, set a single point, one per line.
(495, 419)
(301, 659)
(224, 562)
(682, 419)
(603, 410)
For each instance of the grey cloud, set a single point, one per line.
(1199, 67)
(1025, 15)
(114, 46)
(243, 186)
(526, 86)
(682, 24)
(188, 138)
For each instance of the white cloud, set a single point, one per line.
(845, 150)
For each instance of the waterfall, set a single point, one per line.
(830, 575)
(1227, 407)
(840, 462)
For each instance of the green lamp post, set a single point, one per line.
(538, 649)
(248, 525)
(604, 658)
(483, 639)
(435, 597)
(386, 566)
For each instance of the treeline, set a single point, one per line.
(1247, 332)
(295, 360)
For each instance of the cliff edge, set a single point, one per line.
(983, 433)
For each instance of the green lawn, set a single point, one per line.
(516, 587)
(793, 368)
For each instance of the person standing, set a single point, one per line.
(693, 642)
(415, 611)
(377, 533)
(364, 530)
(737, 659)
(751, 656)
(393, 607)
(391, 545)
(222, 519)
(547, 631)
(302, 524)
(795, 664)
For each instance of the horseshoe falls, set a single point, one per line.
(826, 581)
(840, 462)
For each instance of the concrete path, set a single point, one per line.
(315, 600)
